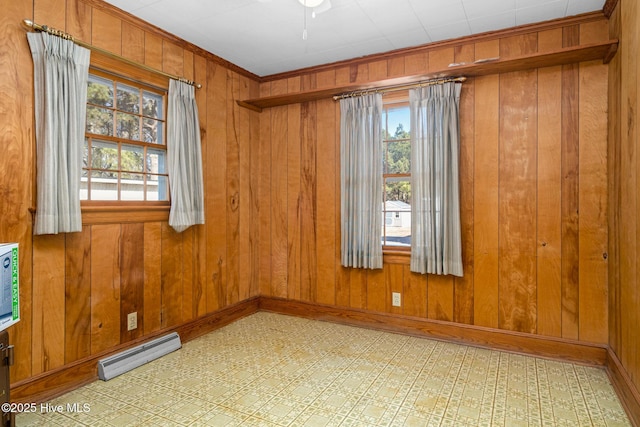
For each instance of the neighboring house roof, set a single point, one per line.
(395, 205)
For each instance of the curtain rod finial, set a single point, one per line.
(27, 23)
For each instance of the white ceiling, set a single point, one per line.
(265, 36)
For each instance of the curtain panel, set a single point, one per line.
(61, 71)
(184, 157)
(435, 209)
(361, 181)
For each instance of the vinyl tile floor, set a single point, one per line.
(274, 370)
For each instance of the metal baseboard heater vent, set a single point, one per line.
(132, 358)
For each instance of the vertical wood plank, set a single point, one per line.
(106, 31)
(254, 282)
(188, 268)
(614, 161)
(244, 118)
(628, 189)
(519, 45)
(343, 275)
(485, 201)
(79, 20)
(188, 70)
(570, 185)
(171, 276)
(634, 116)
(396, 66)
(172, 58)
(357, 288)
(549, 202)
(440, 297)
(48, 300)
(233, 191)
(77, 295)
(131, 279)
(592, 203)
(517, 201)
(416, 63)
(308, 196)
(414, 293)
(376, 291)
(265, 197)
(440, 59)
(325, 202)
(216, 201)
(293, 193)
(279, 198)
(153, 51)
(378, 70)
(152, 303)
(132, 42)
(105, 287)
(51, 12)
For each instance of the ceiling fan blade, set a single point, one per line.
(324, 6)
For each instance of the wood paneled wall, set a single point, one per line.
(77, 289)
(624, 192)
(534, 193)
(534, 199)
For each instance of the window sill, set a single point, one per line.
(396, 256)
(117, 214)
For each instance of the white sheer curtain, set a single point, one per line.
(435, 209)
(184, 157)
(60, 74)
(361, 181)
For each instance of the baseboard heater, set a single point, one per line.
(137, 356)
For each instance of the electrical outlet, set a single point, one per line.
(396, 299)
(132, 321)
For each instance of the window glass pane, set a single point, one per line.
(122, 166)
(132, 186)
(99, 121)
(397, 212)
(156, 161)
(152, 131)
(132, 158)
(100, 91)
(104, 155)
(104, 186)
(398, 157)
(398, 122)
(128, 99)
(128, 126)
(157, 188)
(151, 105)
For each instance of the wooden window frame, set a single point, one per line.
(109, 211)
(391, 253)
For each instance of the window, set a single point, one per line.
(125, 150)
(396, 205)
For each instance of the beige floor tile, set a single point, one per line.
(273, 370)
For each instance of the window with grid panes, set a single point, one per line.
(125, 149)
(396, 205)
